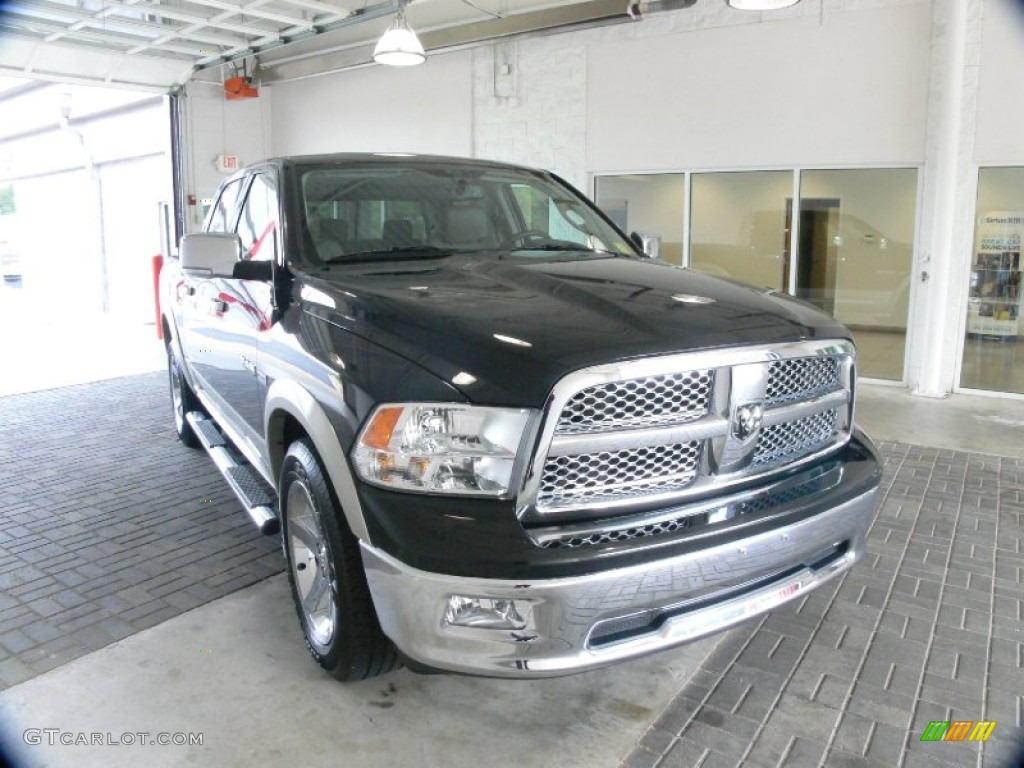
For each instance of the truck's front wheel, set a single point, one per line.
(326, 573)
(183, 399)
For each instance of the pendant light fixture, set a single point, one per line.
(399, 46)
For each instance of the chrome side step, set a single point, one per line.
(249, 489)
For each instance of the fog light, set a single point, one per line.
(486, 612)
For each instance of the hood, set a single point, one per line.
(504, 329)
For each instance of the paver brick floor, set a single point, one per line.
(108, 524)
(927, 627)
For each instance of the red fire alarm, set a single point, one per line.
(239, 88)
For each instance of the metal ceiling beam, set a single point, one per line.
(249, 9)
(254, 9)
(176, 14)
(316, 5)
(32, 27)
(360, 16)
(118, 23)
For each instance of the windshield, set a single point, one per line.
(368, 213)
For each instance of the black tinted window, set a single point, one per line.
(364, 211)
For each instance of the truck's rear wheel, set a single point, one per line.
(326, 573)
(183, 399)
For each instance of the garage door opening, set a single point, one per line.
(85, 183)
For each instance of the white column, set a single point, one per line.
(949, 184)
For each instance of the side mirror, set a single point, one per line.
(648, 242)
(210, 254)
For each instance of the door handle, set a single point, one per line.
(219, 305)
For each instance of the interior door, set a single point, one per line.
(818, 262)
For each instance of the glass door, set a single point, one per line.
(739, 226)
(991, 358)
(855, 257)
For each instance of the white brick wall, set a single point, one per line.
(529, 105)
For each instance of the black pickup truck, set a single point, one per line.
(496, 437)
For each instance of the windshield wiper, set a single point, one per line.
(392, 254)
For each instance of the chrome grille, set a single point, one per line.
(663, 430)
(745, 505)
(622, 534)
(674, 398)
(801, 379)
(793, 439)
(612, 475)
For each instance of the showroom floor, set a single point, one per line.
(148, 603)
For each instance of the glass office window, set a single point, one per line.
(738, 226)
(652, 204)
(991, 357)
(855, 255)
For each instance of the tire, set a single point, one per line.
(183, 399)
(326, 574)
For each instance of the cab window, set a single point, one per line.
(221, 216)
(258, 223)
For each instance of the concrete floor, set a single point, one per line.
(976, 423)
(105, 346)
(236, 671)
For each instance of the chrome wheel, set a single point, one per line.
(182, 400)
(177, 399)
(325, 572)
(312, 570)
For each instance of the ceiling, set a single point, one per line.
(159, 45)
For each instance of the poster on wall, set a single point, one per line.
(994, 303)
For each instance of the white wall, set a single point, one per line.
(423, 109)
(704, 88)
(851, 88)
(998, 140)
(214, 126)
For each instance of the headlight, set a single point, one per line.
(441, 448)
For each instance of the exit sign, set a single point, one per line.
(227, 163)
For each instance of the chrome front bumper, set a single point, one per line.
(684, 597)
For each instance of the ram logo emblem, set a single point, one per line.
(747, 420)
